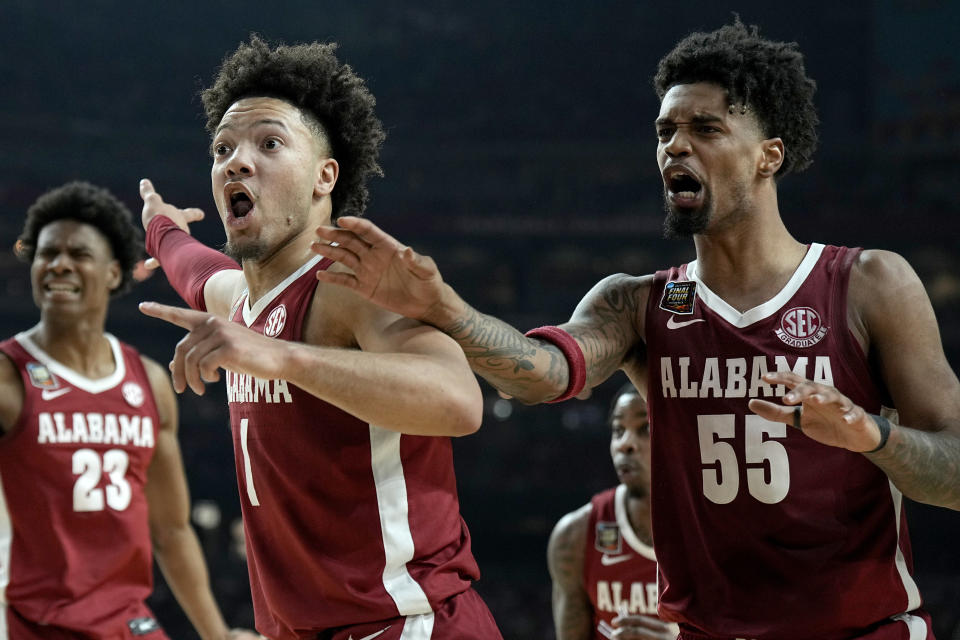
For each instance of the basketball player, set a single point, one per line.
(90, 469)
(761, 531)
(601, 556)
(341, 411)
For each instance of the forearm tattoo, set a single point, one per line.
(924, 465)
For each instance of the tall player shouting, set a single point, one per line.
(760, 530)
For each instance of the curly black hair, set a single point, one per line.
(309, 77)
(764, 75)
(96, 206)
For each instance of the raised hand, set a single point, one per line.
(390, 274)
(214, 343)
(827, 415)
(153, 205)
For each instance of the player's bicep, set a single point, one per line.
(221, 290)
(904, 339)
(565, 558)
(608, 324)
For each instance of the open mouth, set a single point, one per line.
(240, 204)
(683, 185)
(61, 287)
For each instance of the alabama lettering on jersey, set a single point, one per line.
(346, 522)
(619, 571)
(74, 539)
(742, 505)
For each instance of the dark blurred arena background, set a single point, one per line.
(520, 154)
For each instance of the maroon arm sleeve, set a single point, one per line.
(186, 261)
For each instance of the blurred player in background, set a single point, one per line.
(91, 479)
(601, 556)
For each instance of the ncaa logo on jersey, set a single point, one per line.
(608, 538)
(679, 297)
(132, 393)
(801, 327)
(275, 321)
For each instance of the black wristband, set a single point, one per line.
(885, 428)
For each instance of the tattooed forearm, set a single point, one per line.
(530, 370)
(924, 465)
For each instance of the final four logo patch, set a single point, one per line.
(678, 297)
(608, 538)
(41, 377)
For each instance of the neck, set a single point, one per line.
(749, 263)
(77, 344)
(638, 512)
(263, 275)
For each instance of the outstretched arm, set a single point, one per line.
(175, 545)
(205, 278)
(606, 325)
(922, 454)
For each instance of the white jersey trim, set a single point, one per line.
(421, 627)
(250, 314)
(626, 529)
(392, 504)
(916, 626)
(6, 542)
(762, 311)
(73, 377)
(913, 593)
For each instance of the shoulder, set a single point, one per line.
(570, 532)
(162, 390)
(882, 281)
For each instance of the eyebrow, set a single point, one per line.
(700, 118)
(227, 125)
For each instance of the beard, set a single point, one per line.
(685, 222)
(254, 250)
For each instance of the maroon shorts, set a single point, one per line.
(464, 616)
(140, 626)
(915, 625)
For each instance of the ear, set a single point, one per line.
(772, 157)
(327, 173)
(114, 275)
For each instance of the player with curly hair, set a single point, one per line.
(342, 412)
(92, 479)
(767, 364)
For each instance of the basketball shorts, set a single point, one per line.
(141, 626)
(464, 616)
(915, 625)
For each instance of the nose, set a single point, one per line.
(60, 263)
(626, 443)
(678, 146)
(239, 164)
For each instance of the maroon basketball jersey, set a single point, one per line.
(346, 522)
(74, 536)
(619, 571)
(760, 531)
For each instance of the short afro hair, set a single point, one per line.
(765, 75)
(309, 77)
(89, 204)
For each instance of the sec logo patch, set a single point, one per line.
(132, 393)
(275, 321)
(801, 327)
